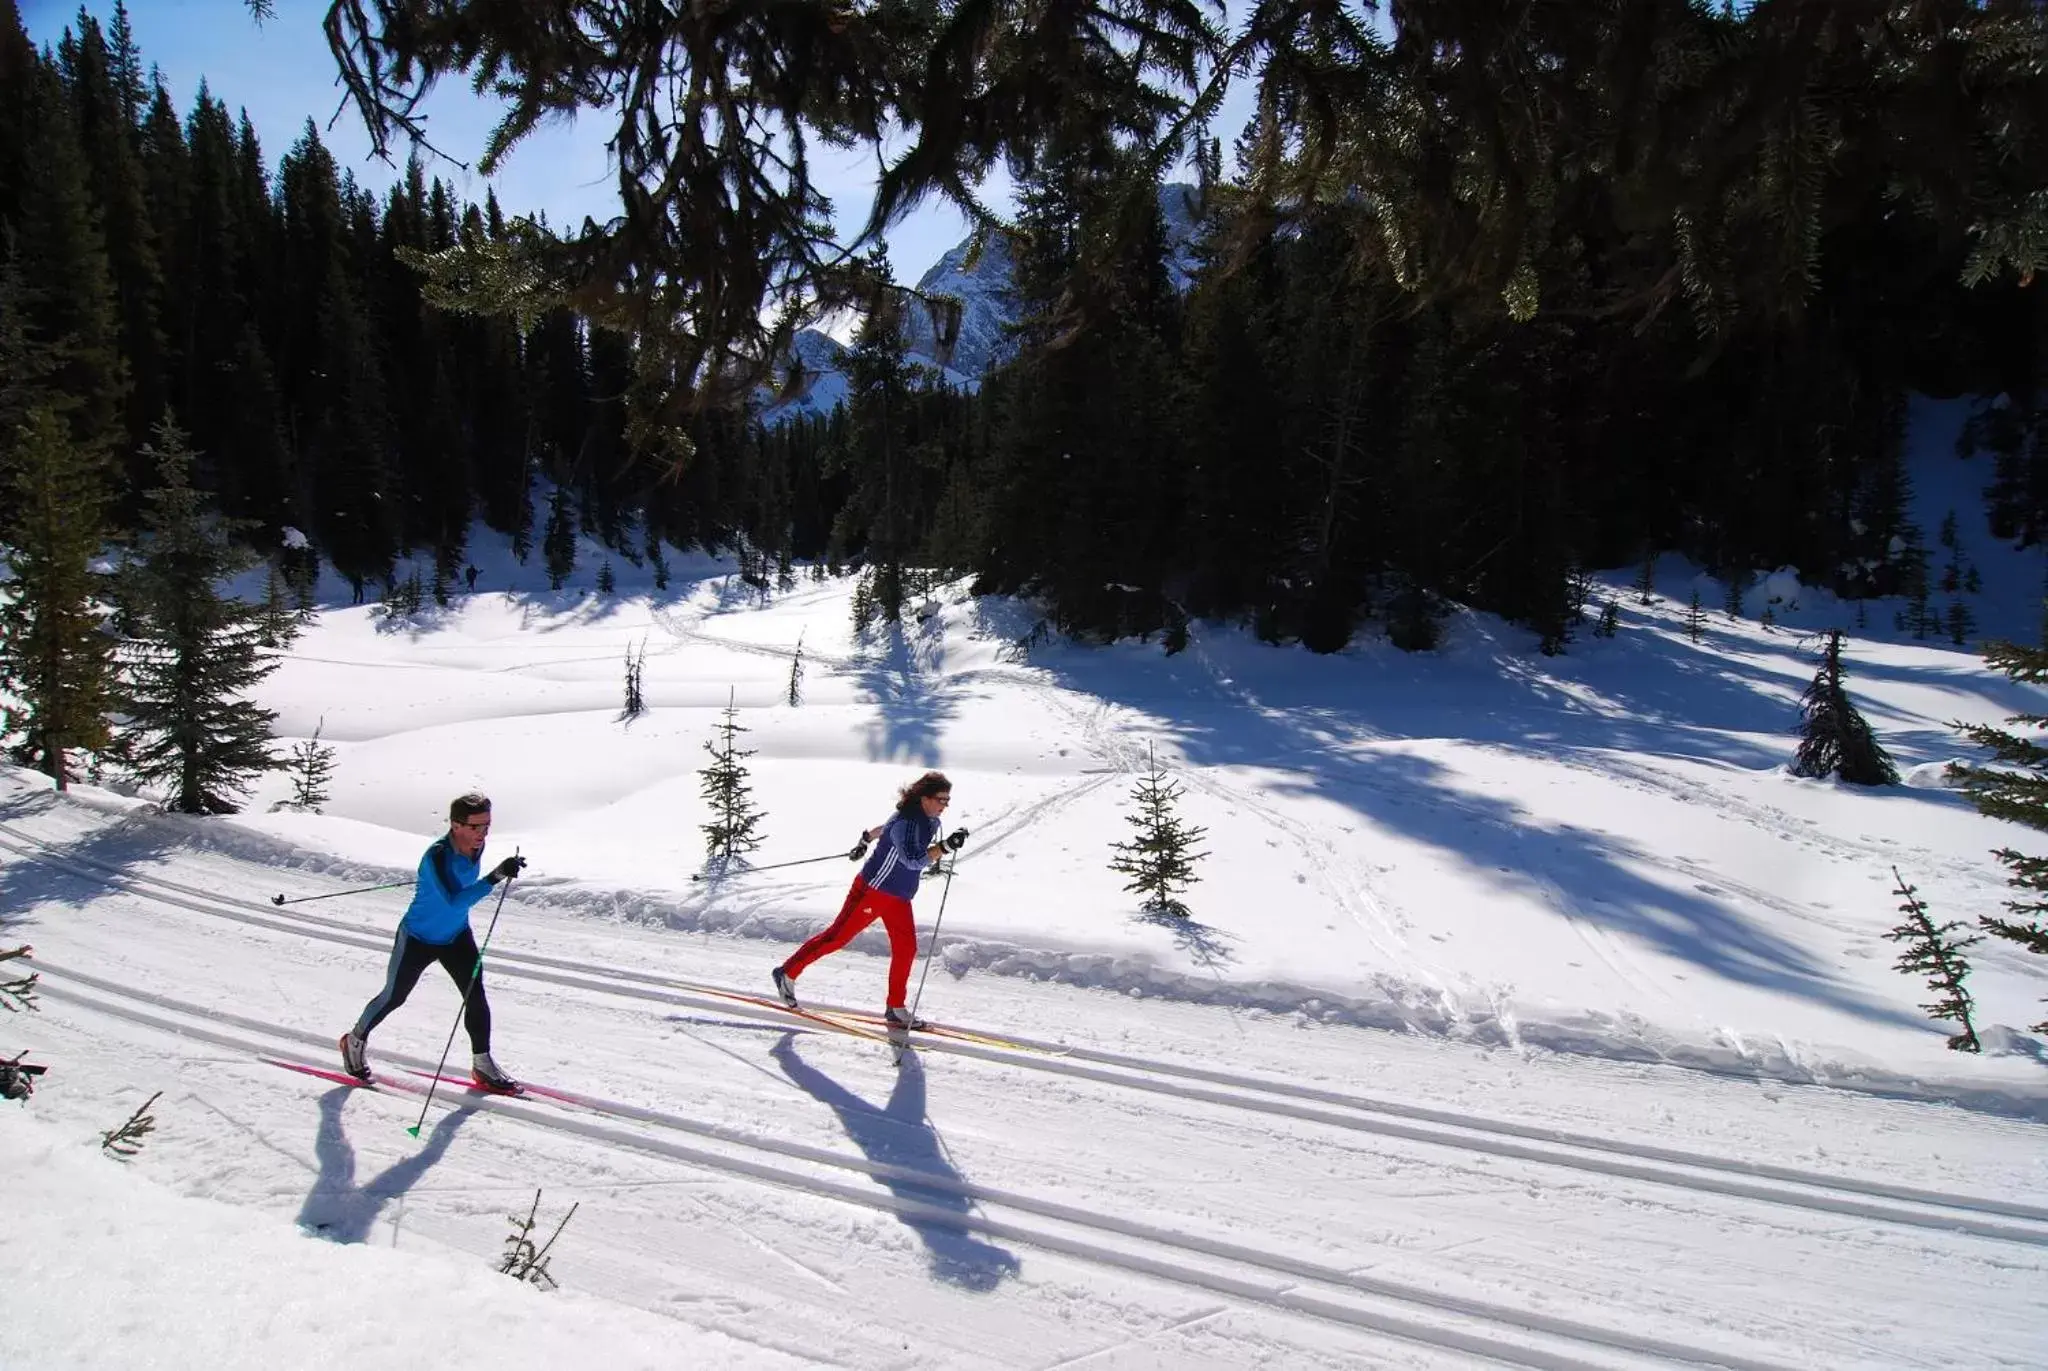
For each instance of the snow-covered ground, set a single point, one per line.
(1530, 1010)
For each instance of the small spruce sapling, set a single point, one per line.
(1734, 589)
(796, 674)
(280, 621)
(734, 820)
(312, 768)
(1931, 952)
(1834, 739)
(1960, 622)
(1161, 859)
(18, 992)
(1695, 617)
(636, 700)
(126, 1140)
(2014, 788)
(524, 1261)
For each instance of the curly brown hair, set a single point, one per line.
(931, 783)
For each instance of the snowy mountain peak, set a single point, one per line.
(982, 283)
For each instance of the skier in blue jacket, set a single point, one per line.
(436, 929)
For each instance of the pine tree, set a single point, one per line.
(636, 702)
(1918, 617)
(1931, 951)
(281, 620)
(312, 767)
(328, 353)
(2015, 788)
(194, 654)
(56, 664)
(1161, 859)
(657, 563)
(796, 674)
(105, 95)
(1952, 573)
(59, 251)
(1960, 622)
(734, 820)
(558, 543)
(880, 455)
(1833, 737)
(1610, 621)
(1735, 588)
(606, 581)
(1695, 617)
(863, 608)
(1646, 578)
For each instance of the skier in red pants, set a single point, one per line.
(884, 889)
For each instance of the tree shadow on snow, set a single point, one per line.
(898, 1136)
(1205, 946)
(340, 1210)
(911, 710)
(1298, 724)
(104, 853)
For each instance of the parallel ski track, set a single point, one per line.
(1163, 1253)
(1857, 1197)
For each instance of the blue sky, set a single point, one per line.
(281, 73)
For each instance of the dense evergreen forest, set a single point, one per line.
(1365, 405)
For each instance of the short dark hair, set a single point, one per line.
(463, 808)
(931, 783)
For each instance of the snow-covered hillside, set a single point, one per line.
(1530, 1011)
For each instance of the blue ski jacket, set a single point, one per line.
(898, 859)
(442, 894)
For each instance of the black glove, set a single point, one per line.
(860, 849)
(956, 840)
(507, 869)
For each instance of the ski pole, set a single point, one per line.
(360, 890)
(933, 945)
(777, 866)
(463, 1012)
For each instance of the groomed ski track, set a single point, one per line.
(1724, 1191)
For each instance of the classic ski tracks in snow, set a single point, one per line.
(1292, 1284)
(1764, 1182)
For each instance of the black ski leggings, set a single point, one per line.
(410, 957)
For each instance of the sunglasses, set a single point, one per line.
(483, 827)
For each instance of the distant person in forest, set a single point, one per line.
(436, 929)
(469, 575)
(884, 889)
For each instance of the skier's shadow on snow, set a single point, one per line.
(897, 1135)
(340, 1210)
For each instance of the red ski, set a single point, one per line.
(520, 1089)
(338, 1077)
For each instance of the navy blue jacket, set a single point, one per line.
(899, 856)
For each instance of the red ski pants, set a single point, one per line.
(863, 906)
